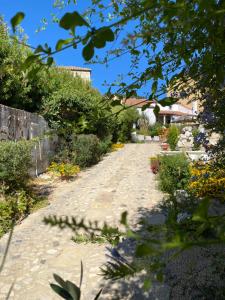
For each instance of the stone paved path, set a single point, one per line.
(122, 181)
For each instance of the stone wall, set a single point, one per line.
(16, 124)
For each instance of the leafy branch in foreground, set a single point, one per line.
(67, 289)
(91, 230)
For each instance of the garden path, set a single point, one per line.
(121, 181)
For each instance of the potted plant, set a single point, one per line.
(154, 164)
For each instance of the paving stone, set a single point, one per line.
(122, 181)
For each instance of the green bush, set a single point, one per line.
(14, 206)
(105, 145)
(155, 130)
(15, 161)
(173, 136)
(174, 173)
(86, 150)
(124, 124)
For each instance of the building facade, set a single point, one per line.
(84, 73)
(167, 114)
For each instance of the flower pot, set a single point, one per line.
(165, 146)
(154, 166)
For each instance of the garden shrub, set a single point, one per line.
(13, 207)
(124, 124)
(15, 161)
(174, 173)
(173, 136)
(155, 130)
(86, 150)
(105, 145)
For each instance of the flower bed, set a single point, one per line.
(116, 147)
(207, 181)
(64, 170)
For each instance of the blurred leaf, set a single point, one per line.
(73, 290)
(72, 20)
(108, 34)
(17, 19)
(50, 61)
(39, 49)
(156, 110)
(116, 102)
(159, 276)
(201, 213)
(168, 101)
(88, 51)
(144, 250)
(61, 43)
(102, 36)
(144, 107)
(98, 295)
(154, 87)
(60, 291)
(59, 280)
(81, 273)
(147, 284)
(123, 219)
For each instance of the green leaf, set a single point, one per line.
(108, 34)
(60, 43)
(88, 51)
(39, 49)
(98, 295)
(17, 19)
(123, 219)
(144, 250)
(73, 290)
(144, 107)
(167, 101)
(59, 280)
(159, 276)
(61, 292)
(156, 110)
(154, 87)
(99, 41)
(81, 273)
(102, 36)
(147, 284)
(50, 61)
(116, 102)
(201, 213)
(72, 20)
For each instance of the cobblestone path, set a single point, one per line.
(121, 181)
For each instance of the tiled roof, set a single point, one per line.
(74, 68)
(173, 113)
(136, 102)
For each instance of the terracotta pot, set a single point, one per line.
(155, 166)
(165, 146)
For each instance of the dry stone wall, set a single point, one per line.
(16, 124)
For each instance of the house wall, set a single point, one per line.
(149, 113)
(16, 124)
(86, 75)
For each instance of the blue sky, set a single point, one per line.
(35, 11)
